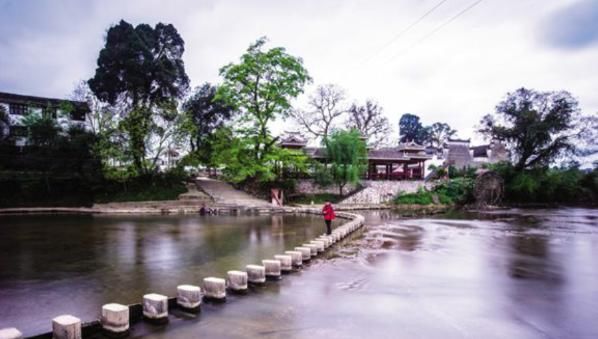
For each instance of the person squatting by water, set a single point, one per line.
(204, 210)
(328, 212)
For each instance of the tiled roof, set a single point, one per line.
(411, 146)
(386, 153)
(293, 139)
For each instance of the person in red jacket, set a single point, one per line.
(328, 212)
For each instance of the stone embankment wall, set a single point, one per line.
(308, 186)
(379, 192)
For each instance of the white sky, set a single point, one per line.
(456, 75)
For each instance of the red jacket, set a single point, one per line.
(328, 212)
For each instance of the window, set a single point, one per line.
(78, 115)
(18, 109)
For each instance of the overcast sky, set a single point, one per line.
(447, 67)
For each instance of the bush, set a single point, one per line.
(159, 186)
(455, 191)
(458, 190)
(422, 197)
(549, 185)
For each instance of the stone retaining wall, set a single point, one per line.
(380, 192)
(308, 186)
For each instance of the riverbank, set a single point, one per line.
(191, 207)
(145, 207)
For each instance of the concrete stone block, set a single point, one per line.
(296, 257)
(237, 280)
(286, 262)
(272, 268)
(256, 274)
(10, 333)
(115, 318)
(321, 245)
(305, 252)
(155, 307)
(313, 248)
(214, 288)
(188, 296)
(66, 327)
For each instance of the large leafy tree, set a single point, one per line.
(326, 106)
(142, 65)
(370, 121)
(411, 129)
(203, 116)
(538, 127)
(234, 154)
(347, 156)
(260, 87)
(141, 68)
(438, 133)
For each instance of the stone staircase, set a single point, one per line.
(224, 195)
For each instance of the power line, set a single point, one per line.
(401, 33)
(437, 29)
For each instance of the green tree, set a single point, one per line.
(141, 68)
(411, 129)
(42, 129)
(538, 127)
(142, 65)
(261, 87)
(347, 156)
(233, 154)
(203, 116)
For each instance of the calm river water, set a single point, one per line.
(56, 264)
(508, 274)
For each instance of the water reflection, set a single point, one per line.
(75, 263)
(508, 274)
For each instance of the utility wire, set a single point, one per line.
(401, 33)
(436, 30)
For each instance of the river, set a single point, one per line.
(505, 274)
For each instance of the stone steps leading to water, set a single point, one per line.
(223, 193)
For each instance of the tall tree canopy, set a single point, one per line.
(538, 126)
(141, 69)
(347, 155)
(260, 87)
(411, 129)
(438, 133)
(204, 115)
(142, 65)
(325, 108)
(369, 120)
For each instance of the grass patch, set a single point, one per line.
(154, 188)
(424, 197)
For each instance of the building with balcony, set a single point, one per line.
(18, 106)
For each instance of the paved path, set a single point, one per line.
(224, 194)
